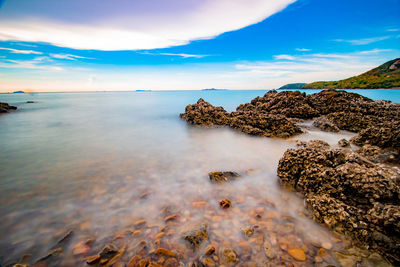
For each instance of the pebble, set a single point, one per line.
(164, 252)
(327, 245)
(225, 203)
(297, 254)
(140, 223)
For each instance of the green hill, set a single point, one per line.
(293, 86)
(384, 76)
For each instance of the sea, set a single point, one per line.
(113, 167)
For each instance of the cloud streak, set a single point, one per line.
(18, 51)
(133, 26)
(364, 41)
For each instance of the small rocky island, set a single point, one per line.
(352, 191)
(5, 108)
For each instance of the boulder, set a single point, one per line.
(325, 125)
(347, 192)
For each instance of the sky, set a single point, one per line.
(91, 45)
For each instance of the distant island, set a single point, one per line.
(143, 90)
(214, 89)
(293, 86)
(19, 92)
(386, 76)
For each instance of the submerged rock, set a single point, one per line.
(348, 193)
(219, 177)
(325, 125)
(196, 235)
(343, 143)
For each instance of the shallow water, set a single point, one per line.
(97, 163)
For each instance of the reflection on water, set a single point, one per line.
(99, 164)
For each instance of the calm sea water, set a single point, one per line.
(97, 163)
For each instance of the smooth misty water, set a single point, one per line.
(97, 163)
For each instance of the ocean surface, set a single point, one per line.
(98, 163)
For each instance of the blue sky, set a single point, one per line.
(92, 45)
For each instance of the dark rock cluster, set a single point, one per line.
(4, 107)
(275, 114)
(347, 192)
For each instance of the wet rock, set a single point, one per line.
(248, 231)
(196, 235)
(219, 177)
(115, 258)
(30, 102)
(208, 262)
(5, 108)
(347, 192)
(229, 256)
(325, 125)
(92, 259)
(172, 217)
(343, 143)
(108, 251)
(225, 203)
(297, 254)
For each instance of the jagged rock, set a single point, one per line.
(4, 107)
(343, 143)
(325, 125)
(378, 155)
(204, 114)
(196, 235)
(219, 177)
(262, 124)
(347, 192)
(384, 135)
(276, 114)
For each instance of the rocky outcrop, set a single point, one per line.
(263, 124)
(348, 193)
(275, 115)
(4, 107)
(251, 122)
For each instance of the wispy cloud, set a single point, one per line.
(364, 41)
(375, 51)
(41, 63)
(303, 49)
(286, 57)
(173, 54)
(68, 56)
(18, 51)
(393, 30)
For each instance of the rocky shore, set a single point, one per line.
(356, 193)
(5, 108)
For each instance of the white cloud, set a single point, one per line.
(133, 28)
(287, 57)
(67, 56)
(393, 30)
(303, 49)
(364, 41)
(17, 51)
(174, 54)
